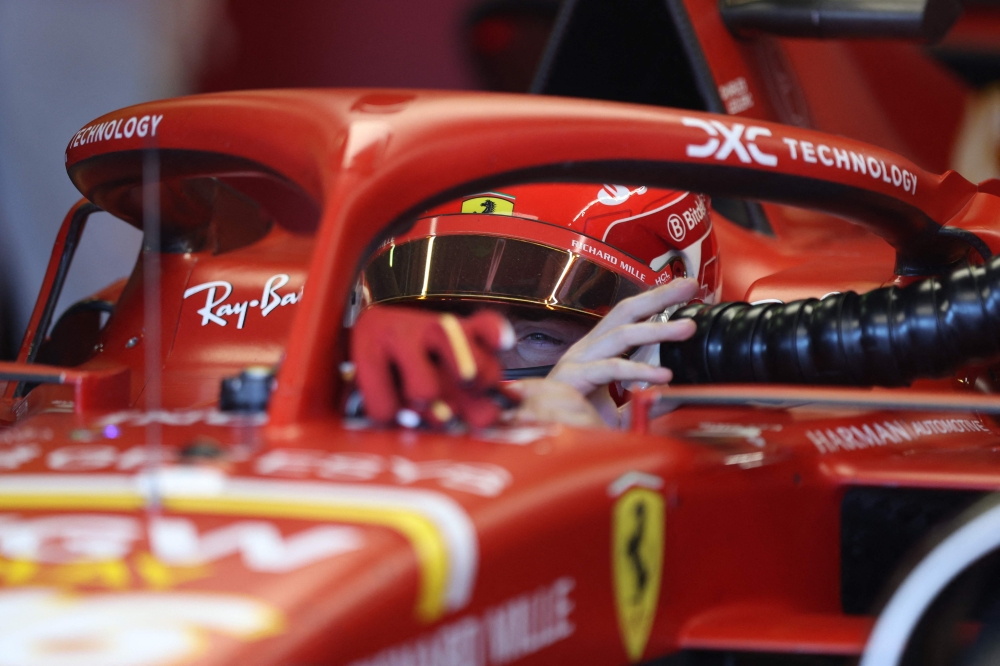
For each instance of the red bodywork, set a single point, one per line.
(297, 537)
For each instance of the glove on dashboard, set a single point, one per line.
(886, 337)
(436, 364)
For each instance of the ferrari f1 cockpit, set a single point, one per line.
(207, 422)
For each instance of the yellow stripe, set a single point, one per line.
(460, 347)
(423, 536)
(120, 502)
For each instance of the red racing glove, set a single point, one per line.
(439, 365)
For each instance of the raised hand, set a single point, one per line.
(595, 360)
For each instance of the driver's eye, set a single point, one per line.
(542, 339)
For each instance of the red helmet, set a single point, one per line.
(578, 248)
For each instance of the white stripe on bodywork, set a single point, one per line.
(453, 523)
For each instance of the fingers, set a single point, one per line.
(526, 389)
(647, 304)
(376, 383)
(490, 332)
(547, 401)
(373, 372)
(586, 377)
(467, 346)
(619, 340)
(595, 360)
(454, 347)
(420, 378)
(436, 367)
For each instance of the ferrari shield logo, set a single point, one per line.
(637, 562)
(489, 205)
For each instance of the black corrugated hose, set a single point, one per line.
(886, 337)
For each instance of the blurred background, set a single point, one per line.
(65, 63)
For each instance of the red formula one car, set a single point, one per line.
(144, 520)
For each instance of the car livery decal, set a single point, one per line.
(438, 528)
(724, 140)
(502, 634)
(117, 129)
(48, 628)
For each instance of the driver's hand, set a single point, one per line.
(547, 401)
(595, 360)
(437, 365)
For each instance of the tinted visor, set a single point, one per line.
(496, 269)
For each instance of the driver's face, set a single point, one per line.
(542, 341)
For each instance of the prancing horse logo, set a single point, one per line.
(637, 524)
(489, 203)
(634, 543)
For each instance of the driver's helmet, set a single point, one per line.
(573, 248)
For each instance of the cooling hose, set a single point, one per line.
(885, 337)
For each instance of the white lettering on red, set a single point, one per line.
(182, 417)
(17, 455)
(262, 547)
(216, 309)
(843, 161)
(117, 129)
(736, 95)
(210, 301)
(808, 152)
(870, 435)
(502, 634)
(825, 159)
(868, 165)
(483, 479)
(586, 248)
(735, 142)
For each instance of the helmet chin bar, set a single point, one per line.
(886, 337)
